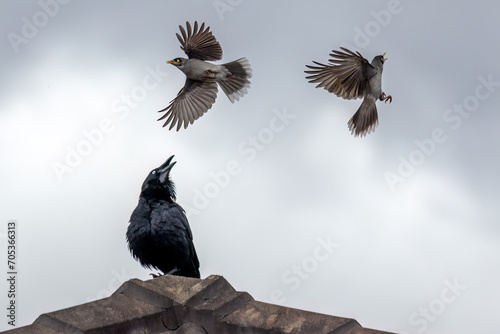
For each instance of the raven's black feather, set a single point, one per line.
(158, 235)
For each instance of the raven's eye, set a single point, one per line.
(177, 60)
(153, 172)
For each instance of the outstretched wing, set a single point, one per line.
(192, 101)
(199, 43)
(347, 76)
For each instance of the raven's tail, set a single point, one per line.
(191, 266)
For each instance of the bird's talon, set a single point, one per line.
(386, 97)
(210, 75)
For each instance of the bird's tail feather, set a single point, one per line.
(236, 85)
(365, 120)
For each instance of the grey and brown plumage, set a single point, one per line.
(350, 76)
(200, 89)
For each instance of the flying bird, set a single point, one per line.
(200, 89)
(158, 235)
(350, 76)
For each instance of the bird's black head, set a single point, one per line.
(158, 183)
(178, 62)
(381, 58)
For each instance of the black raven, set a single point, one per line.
(158, 235)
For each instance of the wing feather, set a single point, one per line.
(347, 75)
(199, 42)
(192, 101)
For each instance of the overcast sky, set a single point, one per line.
(398, 230)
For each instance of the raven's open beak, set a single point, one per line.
(383, 55)
(164, 170)
(167, 165)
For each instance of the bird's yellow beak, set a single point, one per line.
(383, 55)
(171, 61)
